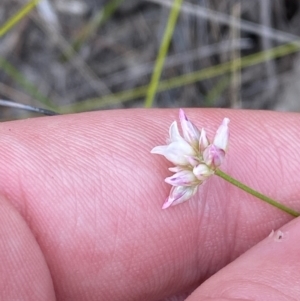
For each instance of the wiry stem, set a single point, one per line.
(12, 104)
(255, 193)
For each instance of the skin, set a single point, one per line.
(81, 217)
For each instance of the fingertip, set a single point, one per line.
(268, 271)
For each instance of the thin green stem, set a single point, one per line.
(164, 47)
(179, 81)
(255, 193)
(26, 9)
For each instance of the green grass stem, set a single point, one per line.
(186, 79)
(164, 47)
(25, 10)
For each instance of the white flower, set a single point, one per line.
(178, 150)
(195, 157)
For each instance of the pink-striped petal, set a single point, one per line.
(159, 150)
(179, 194)
(193, 160)
(203, 141)
(182, 178)
(222, 135)
(176, 169)
(190, 132)
(174, 133)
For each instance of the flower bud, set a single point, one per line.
(213, 156)
(202, 172)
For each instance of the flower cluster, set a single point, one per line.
(194, 157)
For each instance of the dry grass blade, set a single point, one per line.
(92, 79)
(210, 45)
(221, 18)
(91, 27)
(182, 80)
(24, 82)
(179, 59)
(49, 15)
(267, 44)
(235, 99)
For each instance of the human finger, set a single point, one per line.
(24, 274)
(92, 194)
(269, 271)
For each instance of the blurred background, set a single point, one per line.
(82, 55)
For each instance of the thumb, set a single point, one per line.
(24, 274)
(269, 271)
